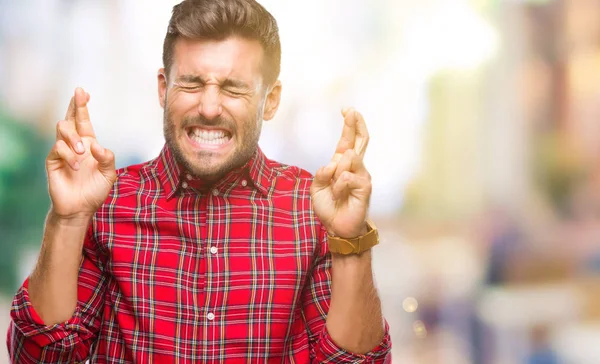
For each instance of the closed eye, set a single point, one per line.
(234, 93)
(189, 88)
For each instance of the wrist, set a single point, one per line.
(353, 233)
(77, 221)
(362, 241)
(352, 259)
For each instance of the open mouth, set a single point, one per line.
(213, 137)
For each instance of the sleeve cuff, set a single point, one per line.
(330, 352)
(27, 321)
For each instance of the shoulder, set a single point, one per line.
(134, 178)
(130, 176)
(289, 177)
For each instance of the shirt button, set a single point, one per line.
(213, 249)
(210, 316)
(244, 183)
(215, 192)
(189, 177)
(184, 185)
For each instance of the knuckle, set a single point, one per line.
(64, 129)
(60, 125)
(53, 152)
(342, 168)
(347, 159)
(58, 145)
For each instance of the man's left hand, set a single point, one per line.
(342, 189)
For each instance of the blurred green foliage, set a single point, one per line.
(24, 200)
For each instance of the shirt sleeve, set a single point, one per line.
(29, 340)
(315, 301)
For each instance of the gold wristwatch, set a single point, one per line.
(354, 245)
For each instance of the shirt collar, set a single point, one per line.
(258, 171)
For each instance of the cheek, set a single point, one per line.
(240, 109)
(181, 103)
(234, 106)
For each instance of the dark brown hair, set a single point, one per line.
(220, 19)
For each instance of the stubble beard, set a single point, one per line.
(200, 164)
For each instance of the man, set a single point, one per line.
(210, 252)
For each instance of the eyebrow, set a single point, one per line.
(229, 82)
(190, 79)
(235, 83)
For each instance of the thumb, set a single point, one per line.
(105, 158)
(324, 175)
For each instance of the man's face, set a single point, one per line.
(214, 102)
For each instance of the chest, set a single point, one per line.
(191, 263)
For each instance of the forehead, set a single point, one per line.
(232, 57)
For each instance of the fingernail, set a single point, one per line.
(80, 148)
(76, 166)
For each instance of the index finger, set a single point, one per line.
(348, 134)
(70, 116)
(82, 116)
(362, 135)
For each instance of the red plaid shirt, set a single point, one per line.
(175, 271)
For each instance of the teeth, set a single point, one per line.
(210, 142)
(208, 135)
(213, 137)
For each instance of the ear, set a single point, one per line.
(272, 101)
(162, 87)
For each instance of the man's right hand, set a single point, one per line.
(80, 172)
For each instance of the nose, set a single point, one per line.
(210, 102)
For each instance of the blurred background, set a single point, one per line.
(485, 149)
